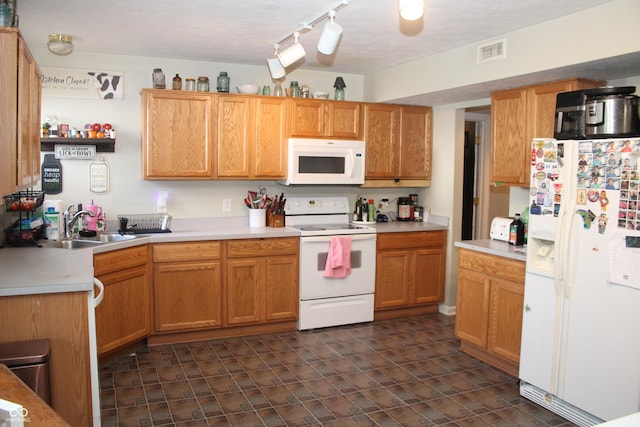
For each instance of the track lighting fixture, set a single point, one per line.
(331, 34)
(411, 10)
(293, 53)
(275, 66)
(330, 37)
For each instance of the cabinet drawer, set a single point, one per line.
(186, 251)
(493, 265)
(120, 259)
(262, 247)
(416, 239)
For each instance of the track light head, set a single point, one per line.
(330, 37)
(293, 53)
(275, 66)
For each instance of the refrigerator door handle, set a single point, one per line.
(568, 250)
(559, 270)
(570, 256)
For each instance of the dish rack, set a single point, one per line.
(144, 223)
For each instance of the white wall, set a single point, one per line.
(129, 193)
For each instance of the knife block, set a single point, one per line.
(274, 220)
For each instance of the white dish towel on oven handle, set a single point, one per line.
(338, 258)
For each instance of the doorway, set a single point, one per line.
(469, 200)
(481, 201)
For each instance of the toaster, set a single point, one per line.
(500, 228)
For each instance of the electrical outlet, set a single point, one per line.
(226, 205)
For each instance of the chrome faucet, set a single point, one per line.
(69, 223)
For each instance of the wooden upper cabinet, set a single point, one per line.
(344, 119)
(381, 135)
(20, 89)
(508, 136)
(307, 118)
(8, 110)
(271, 138)
(234, 139)
(177, 134)
(29, 96)
(313, 118)
(517, 117)
(251, 137)
(415, 143)
(399, 145)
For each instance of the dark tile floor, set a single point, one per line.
(403, 372)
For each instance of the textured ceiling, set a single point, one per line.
(244, 31)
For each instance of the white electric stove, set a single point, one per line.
(328, 301)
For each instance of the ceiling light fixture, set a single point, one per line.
(60, 44)
(330, 37)
(326, 44)
(293, 53)
(411, 10)
(275, 66)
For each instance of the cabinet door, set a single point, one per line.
(29, 88)
(505, 325)
(415, 143)
(8, 111)
(123, 316)
(307, 118)
(281, 286)
(428, 277)
(508, 137)
(381, 135)
(271, 138)
(235, 136)
(472, 312)
(392, 278)
(177, 135)
(542, 109)
(243, 291)
(344, 120)
(187, 295)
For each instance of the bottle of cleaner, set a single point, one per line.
(516, 231)
(52, 224)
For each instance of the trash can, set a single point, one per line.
(29, 361)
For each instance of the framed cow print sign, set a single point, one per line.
(88, 84)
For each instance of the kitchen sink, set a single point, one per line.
(115, 237)
(72, 244)
(90, 242)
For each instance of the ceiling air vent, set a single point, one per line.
(492, 51)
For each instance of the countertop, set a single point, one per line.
(34, 270)
(494, 247)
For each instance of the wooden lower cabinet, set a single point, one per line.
(489, 308)
(187, 286)
(262, 280)
(61, 318)
(410, 272)
(123, 316)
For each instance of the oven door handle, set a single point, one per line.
(311, 239)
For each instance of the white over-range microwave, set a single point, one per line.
(325, 161)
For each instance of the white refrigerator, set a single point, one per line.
(580, 351)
